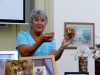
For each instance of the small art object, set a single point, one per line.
(69, 32)
(83, 64)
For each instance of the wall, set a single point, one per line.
(68, 62)
(74, 11)
(7, 37)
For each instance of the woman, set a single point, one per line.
(35, 42)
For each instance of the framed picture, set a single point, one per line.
(9, 55)
(42, 65)
(81, 32)
(18, 67)
(76, 73)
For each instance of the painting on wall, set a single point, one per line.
(81, 33)
(42, 65)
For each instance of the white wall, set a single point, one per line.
(74, 11)
(68, 62)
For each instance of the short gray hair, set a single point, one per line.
(38, 12)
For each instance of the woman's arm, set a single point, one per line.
(58, 53)
(25, 50)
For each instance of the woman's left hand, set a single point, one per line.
(66, 42)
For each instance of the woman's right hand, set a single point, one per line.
(47, 36)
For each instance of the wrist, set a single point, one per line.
(62, 48)
(40, 39)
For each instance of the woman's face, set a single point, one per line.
(38, 24)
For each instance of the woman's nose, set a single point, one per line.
(39, 22)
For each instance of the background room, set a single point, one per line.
(58, 11)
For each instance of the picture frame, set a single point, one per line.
(18, 67)
(9, 55)
(76, 73)
(84, 32)
(43, 64)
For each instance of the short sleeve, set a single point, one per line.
(21, 39)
